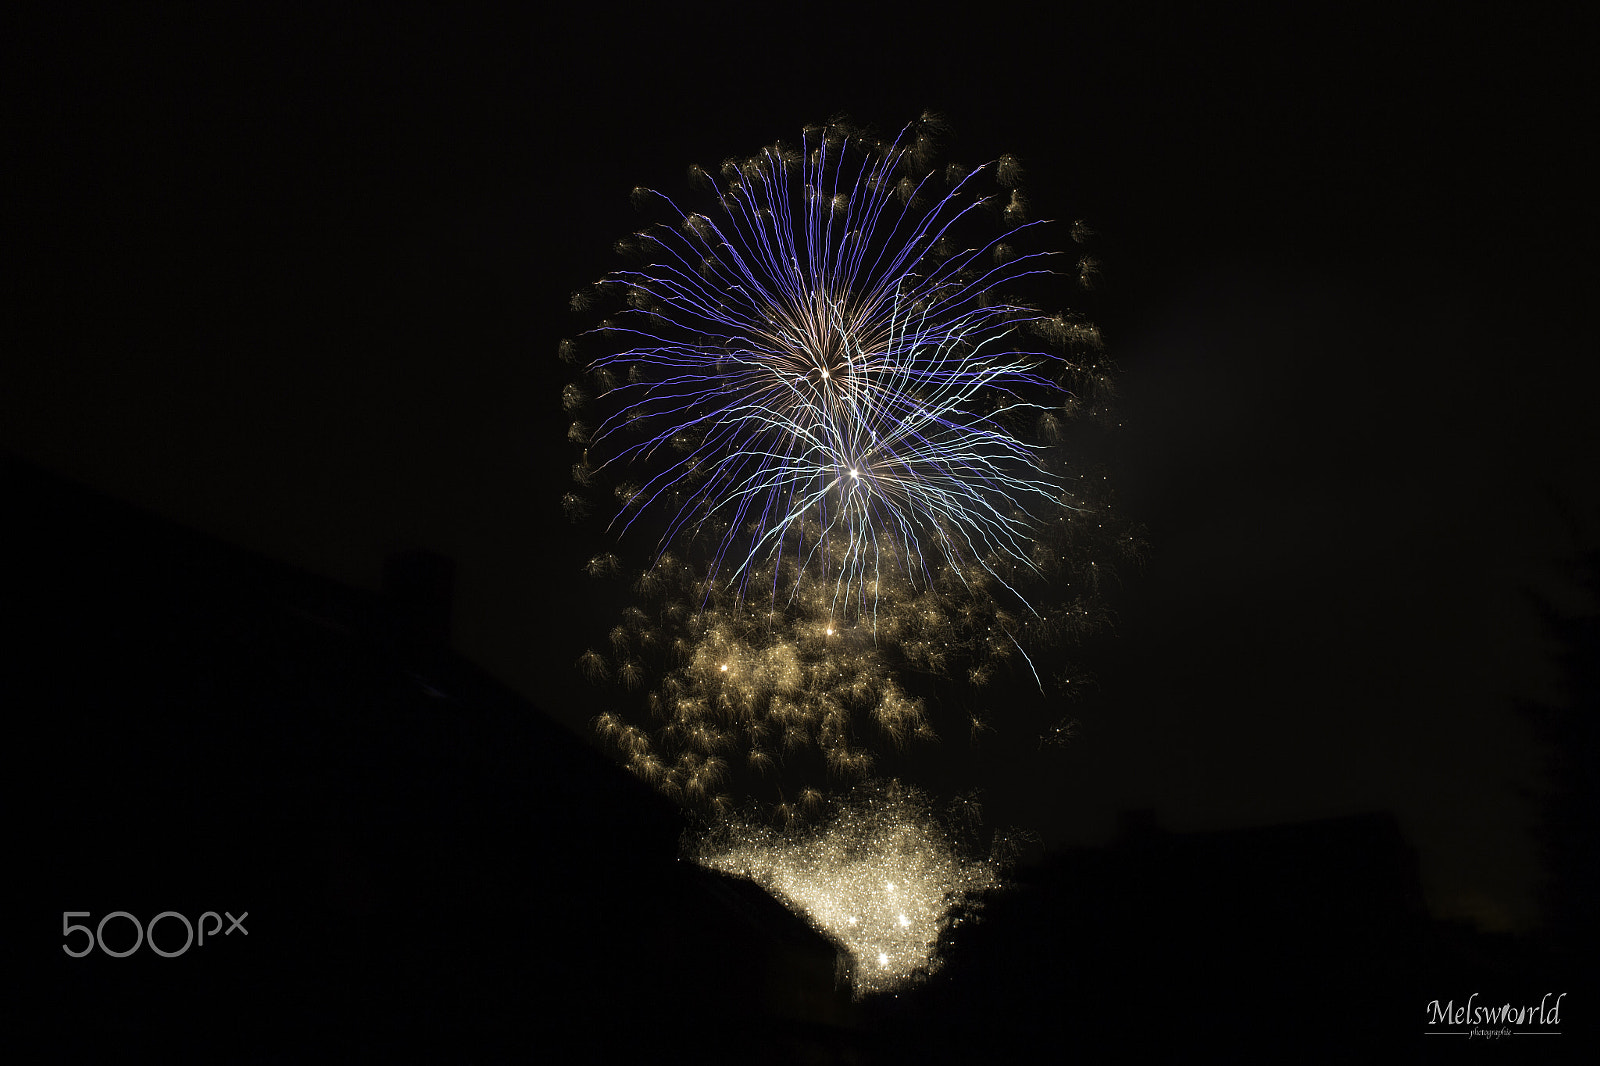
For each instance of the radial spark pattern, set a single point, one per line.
(822, 370)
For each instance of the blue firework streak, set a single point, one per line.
(820, 371)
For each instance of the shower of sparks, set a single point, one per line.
(748, 700)
(881, 878)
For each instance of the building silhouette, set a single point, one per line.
(433, 869)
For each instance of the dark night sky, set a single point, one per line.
(317, 268)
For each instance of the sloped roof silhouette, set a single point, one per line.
(430, 864)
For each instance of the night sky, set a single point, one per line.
(317, 268)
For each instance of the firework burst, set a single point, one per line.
(880, 876)
(821, 371)
(852, 452)
(846, 440)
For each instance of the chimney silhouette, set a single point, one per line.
(419, 586)
(1138, 826)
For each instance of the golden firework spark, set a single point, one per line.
(882, 878)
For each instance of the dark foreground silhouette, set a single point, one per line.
(426, 868)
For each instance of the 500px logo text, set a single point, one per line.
(145, 933)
